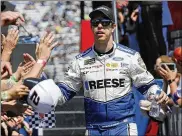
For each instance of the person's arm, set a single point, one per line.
(43, 54)
(62, 91)
(176, 97)
(165, 86)
(6, 69)
(36, 70)
(169, 76)
(179, 101)
(72, 83)
(134, 15)
(121, 17)
(15, 92)
(8, 83)
(144, 81)
(165, 89)
(23, 68)
(9, 44)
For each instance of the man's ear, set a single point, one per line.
(113, 27)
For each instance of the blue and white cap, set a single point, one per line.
(43, 97)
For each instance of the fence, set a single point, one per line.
(172, 124)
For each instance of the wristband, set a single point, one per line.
(170, 81)
(13, 78)
(10, 83)
(4, 95)
(41, 61)
(178, 92)
(175, 97)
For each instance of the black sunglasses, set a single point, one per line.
(104, 22)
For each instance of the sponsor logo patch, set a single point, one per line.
(85, 72)
(97, 66)
(104, 83)
(118, 59)
(111, 69)
(89, 61)
(124, 64)
(112, 65)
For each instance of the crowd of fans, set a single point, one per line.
(60, 17)
(63, 19)
(147, 27)
(14, 111)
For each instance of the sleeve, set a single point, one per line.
(141, 78)
(43, 76)
(72, 82)
(178, 92)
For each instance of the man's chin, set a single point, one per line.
(101, 40)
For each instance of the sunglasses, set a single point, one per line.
(104, 22)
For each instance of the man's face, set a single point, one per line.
(102, 28)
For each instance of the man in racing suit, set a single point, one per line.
(107, 72)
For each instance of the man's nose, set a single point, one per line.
(100, 25)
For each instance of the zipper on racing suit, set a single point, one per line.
(105, 88)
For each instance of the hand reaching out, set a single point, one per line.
(45, 47)
(28, 58)
(11, 17)
(6, 69)
(43, 53)
(10, 41)
(18, 91)
(25, 66)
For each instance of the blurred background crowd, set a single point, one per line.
(152, 28)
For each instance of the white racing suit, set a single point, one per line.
(107, 83)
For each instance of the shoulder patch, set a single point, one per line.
(83, 53)
(126, 49)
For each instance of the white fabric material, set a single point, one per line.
(132, 128)
(123, 64)
(44, 96)
(145, 106)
